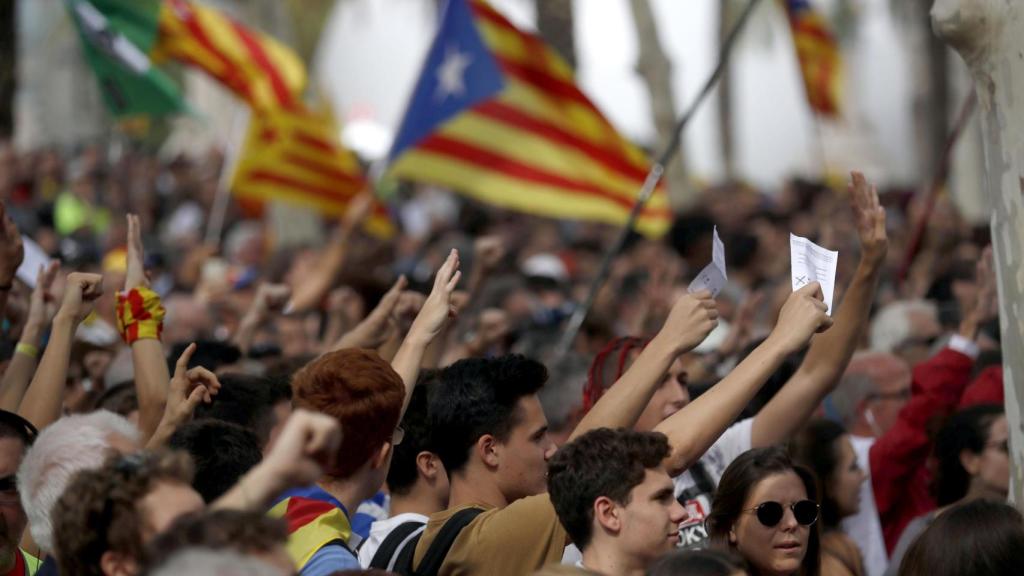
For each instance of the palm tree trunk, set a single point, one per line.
(656, 70)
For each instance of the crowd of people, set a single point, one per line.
(399, 405)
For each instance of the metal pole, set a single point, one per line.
(650, 184)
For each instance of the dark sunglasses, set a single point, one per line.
(770, 514)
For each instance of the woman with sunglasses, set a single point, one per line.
(972, 455)
(765, 510)
(824, 447)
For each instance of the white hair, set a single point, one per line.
(891, 326)
(68, 446)
(206, 562)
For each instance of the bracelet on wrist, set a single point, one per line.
(27, 350)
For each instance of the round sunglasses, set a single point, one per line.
(770, 513)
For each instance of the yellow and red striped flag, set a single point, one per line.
(496, 114)
(257, 68)
(314, 519)
(819, 57)
(295, 156)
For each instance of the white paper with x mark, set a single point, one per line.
(713, 277)
(812, 263)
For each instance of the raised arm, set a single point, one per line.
(693, 430)
(308, 443)
(312, 290)
(188, 388)
(26, 354)
(821, 369)
(269, 298)
(375, 329)
(429, 323)
(45, 396)
(140, 315)
(691, 319)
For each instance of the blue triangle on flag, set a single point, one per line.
(459, 73)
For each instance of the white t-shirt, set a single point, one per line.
(864, 527)
(695, 487)
(379, 531)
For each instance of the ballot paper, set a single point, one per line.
(812, 263)
(35, 257)
(713, 276)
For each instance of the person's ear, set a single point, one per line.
(382, 457)
(608, 514)
(118, 564)
(427, 465)
(971, 462)
(732, 535)
(488, 448)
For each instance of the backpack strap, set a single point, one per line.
(396, 540)
(442, 544)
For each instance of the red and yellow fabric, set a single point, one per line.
(257, 68)
(818, 53)
(314, 519)
(295, 156)
(140, 315)
(517, 132)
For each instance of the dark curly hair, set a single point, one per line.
(602, 462)
(98, 511)
(478, 396)
(241, 531)
(967, 429)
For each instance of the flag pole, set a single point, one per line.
(650, 184)
(218, 212)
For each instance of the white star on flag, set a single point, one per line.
(451, 73)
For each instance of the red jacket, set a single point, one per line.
(899, 475)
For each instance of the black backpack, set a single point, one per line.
(400, 559)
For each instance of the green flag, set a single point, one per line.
(116, 36)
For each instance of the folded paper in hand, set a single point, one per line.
(713, 276)
(812, 263)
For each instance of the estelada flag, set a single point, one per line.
(294, 155)
(496, 115)
(256, 67)
(818, 53)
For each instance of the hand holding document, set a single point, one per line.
(713, 277)
(812, 263)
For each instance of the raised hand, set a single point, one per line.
(870, 219)
(307, 446)
(690, 321)
(270, 298)
(11, 250)
(439, 307)
(488, 252)
(81, 290)
(375, 328)
(803, 314)
(41, 304)
(189, 387)
(358, 211)
(135, 274)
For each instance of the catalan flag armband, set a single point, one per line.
(140, 314)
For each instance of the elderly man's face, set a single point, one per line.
(892, 391)
(924, 331)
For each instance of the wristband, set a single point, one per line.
(26, 349)
(140, 315)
